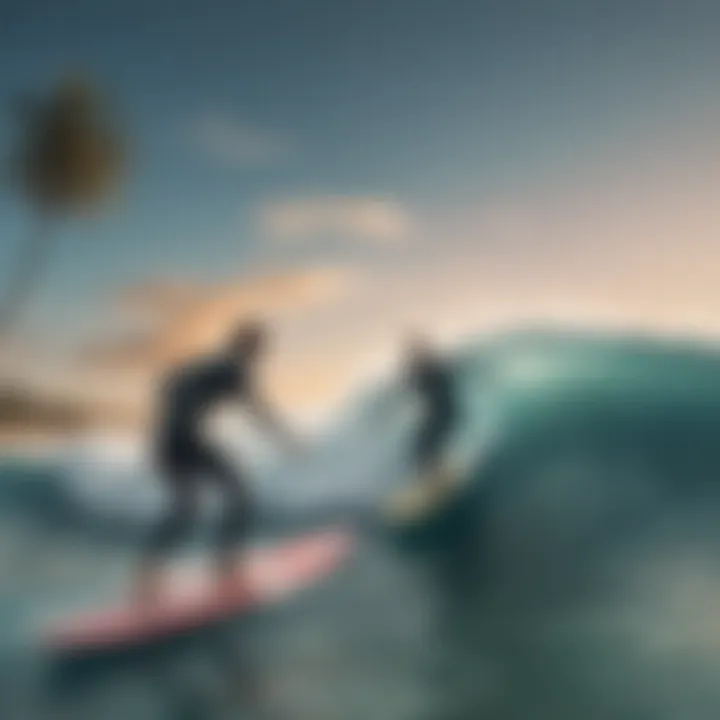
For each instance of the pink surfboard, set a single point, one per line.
(192, 599)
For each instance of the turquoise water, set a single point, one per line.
(580, 580)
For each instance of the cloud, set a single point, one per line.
(373, 219)
(234, 143)
(198, 325)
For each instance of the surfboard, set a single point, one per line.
(411, 503)
(420, 498)
(192, 599)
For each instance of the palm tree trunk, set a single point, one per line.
(27, 275)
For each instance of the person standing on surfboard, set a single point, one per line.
(430, 378)
(186, 458)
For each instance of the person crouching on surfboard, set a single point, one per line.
(186, 459)
(431, 379)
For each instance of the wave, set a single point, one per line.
(546, 398)
(591, 520)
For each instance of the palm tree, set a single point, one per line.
(68, 161)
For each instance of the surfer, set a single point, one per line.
(186, 458)
(430, 378)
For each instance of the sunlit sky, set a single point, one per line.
(356, 168)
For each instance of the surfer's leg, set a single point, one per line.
(171, 528)
(176, 522)
(429, 448)
(237, 513)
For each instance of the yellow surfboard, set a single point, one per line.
(419, 499)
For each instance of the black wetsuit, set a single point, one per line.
(185, 459)
(433, 382)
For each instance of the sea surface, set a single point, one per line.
(576, 576)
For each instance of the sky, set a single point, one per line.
(354, 170)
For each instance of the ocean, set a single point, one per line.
(576, 575)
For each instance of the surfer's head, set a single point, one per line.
(248, 339)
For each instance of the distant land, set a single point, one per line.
(26, 411)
